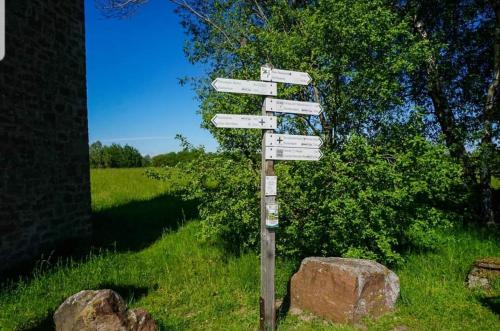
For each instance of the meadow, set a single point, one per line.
(147, 248)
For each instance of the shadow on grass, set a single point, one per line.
(136, 225)
(46, 324)
(283, 309)
(129, 227)
(492, 303)
(129, 293)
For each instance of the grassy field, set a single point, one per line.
(148, 250)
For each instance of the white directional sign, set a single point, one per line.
(293, 107)
(287, 140)
(245, 86)
(304, 154)
(284, 76)
(244, 121)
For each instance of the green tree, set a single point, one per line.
(187, 154)
(147, 161)
(458, 82)
(114, 156)
(372, 62)
(357, 52)
(96, 155)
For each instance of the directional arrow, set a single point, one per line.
(293, 107)
(244, 121)
(304, 154)
(287, 140)
(244, 86)
(284, 76)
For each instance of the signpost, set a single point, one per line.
(284, 76)
(268, 225)
(244, 86)
(293, 107)
(287, 140)
(244, 121)
(274, 147)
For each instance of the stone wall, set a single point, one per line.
(44, 167)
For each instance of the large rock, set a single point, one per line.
(343, 290)
(103, 310)
(483, 273)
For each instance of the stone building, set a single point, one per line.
(44, 167)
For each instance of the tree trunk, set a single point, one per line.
(492, 105)
(442, 111)
(444, 116)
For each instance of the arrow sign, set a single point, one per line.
(287, 140)
(244, 121)
(293, 107)
(284, 76)
(244, 86)
(304, 154)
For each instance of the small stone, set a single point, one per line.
(103, 310)
(344, 290)
(483, 272)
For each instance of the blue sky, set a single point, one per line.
(133, 66)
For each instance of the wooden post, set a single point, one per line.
(267, 246)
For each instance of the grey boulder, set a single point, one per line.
(103, 310)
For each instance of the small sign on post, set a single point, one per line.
(271, 185)
(272, 215)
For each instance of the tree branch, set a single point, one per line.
(184, 4)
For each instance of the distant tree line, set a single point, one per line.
(116, 156)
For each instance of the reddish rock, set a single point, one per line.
(344, 290)
(103, 310)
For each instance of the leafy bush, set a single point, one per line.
(363, 201)
(173, 158)
(366, 201)
(226, 188)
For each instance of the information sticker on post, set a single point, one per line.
(274, 147)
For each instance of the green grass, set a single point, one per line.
(116, 187)
(153, 257)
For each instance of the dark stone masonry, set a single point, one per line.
(44, 167)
